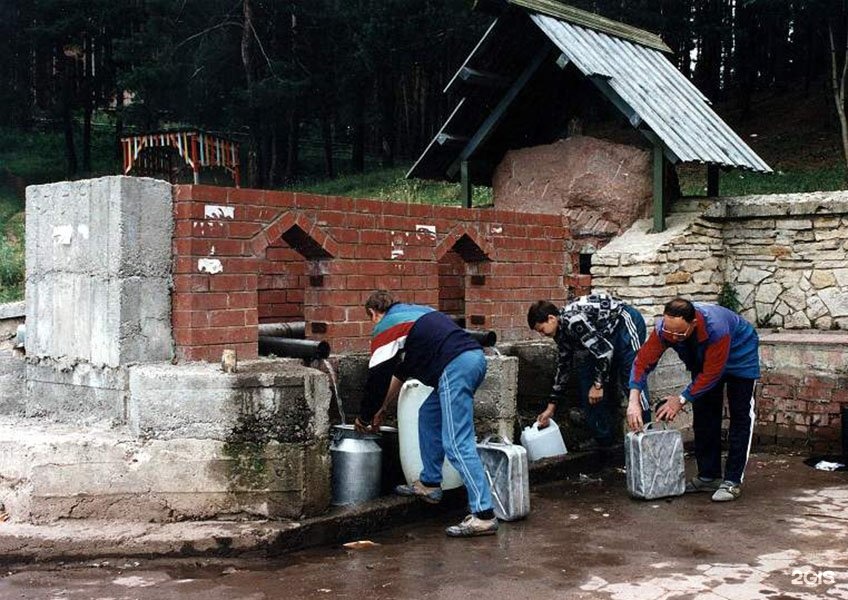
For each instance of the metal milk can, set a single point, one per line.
(357, 462)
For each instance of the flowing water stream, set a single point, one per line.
(332, 375)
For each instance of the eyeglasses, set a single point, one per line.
(677, 335)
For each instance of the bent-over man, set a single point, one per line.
(421, 343)
(612, 332)
(721, 350)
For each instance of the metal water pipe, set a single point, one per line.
(291, 348)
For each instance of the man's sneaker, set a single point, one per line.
(727, 491)
(700, 484)
(472, 526)
(431, 495)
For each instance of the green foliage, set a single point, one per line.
(728, 297)
(12, 271)
(38, 156)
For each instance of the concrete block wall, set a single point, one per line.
(99, 270)
(98, 285)
(537, 363)
(53, 471)
(225, 250)
(495, 404)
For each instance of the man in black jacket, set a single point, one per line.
(611, 332)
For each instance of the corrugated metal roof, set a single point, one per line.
(657, 92)
(637, 78)
(594, 21)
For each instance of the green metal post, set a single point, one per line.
(659, 189)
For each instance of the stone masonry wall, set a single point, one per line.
(785, 257)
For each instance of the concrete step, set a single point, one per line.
(92, 539)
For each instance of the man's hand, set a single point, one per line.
(359, 426)
(544, 418)
(669, 409)
(634, 411)
(596, 394)
(379, 418)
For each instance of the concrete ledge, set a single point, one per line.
(274, 399)
(13, 310)
(89, 539)
(808, 338)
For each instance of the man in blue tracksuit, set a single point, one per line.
(721, 350)
(417, 342)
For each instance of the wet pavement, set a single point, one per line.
(785, 538)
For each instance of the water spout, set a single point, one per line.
(332, 375)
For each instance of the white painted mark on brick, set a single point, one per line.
(215, 211)
(497, 229)
(397, 244)
(210, 265)
(62, 234)
(82, 229)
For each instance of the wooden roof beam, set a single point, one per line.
(485, 130)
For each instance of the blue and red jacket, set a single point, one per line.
(722, 343)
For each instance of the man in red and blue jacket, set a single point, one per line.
(721, 350)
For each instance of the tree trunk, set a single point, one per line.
(357, 151)
(67, 112)
(839, 89)
(253, 145)
(387, 121)
(293, 151)
(88, 104)
(327, 138)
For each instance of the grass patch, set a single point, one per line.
(742, 183)
(391, 184)
(12, 271)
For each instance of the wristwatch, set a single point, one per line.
(682, 400)
(598, 385)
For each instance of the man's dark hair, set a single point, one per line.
(380, 301)
(540, 311)
(680, 307)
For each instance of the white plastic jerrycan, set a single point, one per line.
(412, 396)
(543, 443)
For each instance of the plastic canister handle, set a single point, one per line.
(496, 438)
(650, 424)
(535, 425)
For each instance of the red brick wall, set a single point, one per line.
(452, 284)
(282, 284)
(799, 407)
(335, 251)
(803, 387)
